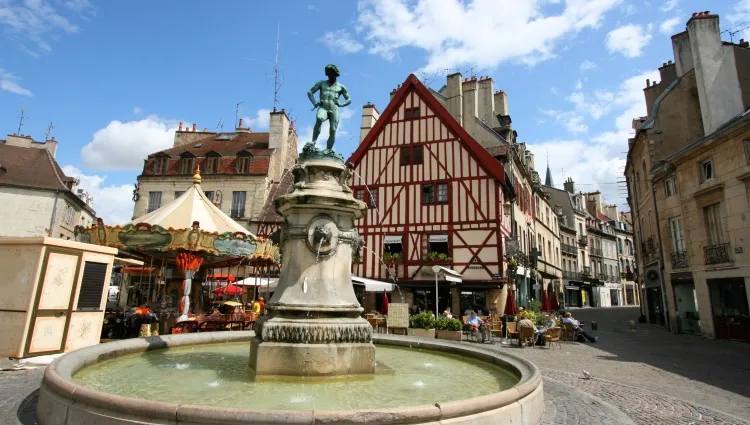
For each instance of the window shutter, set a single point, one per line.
(92, 286)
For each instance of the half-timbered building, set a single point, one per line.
(436, 197)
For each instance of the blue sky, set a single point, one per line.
(116, 77)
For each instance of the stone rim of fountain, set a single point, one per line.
(63, 401)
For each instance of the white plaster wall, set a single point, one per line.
(25, 212)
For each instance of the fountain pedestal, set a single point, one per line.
(314, 325)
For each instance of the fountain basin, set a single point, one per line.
(62, 400)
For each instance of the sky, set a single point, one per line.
(116, 78)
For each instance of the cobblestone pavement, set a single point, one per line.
(564, 405)
(18, 396)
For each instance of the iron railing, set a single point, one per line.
(596, 251)
(570, 249)
(716, 254)
(583, 241)
(567, 274)
(679, 260)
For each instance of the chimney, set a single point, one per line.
(716, 76)
(180, 128)
(570, 186)
(278, 139)
(370, 116)
(471, 99)
(241, 128)
(454, 93)
(486, 102)
(683, 54)
(501, 103)
(51, 145)
(195, 127)
(668, 73)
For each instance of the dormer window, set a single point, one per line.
(187, 160)
(212, 163)
(160, 165)
(244, 161)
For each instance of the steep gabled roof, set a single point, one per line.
(255, 143)
(31, 167)
(491, 166)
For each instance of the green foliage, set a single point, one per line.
(535, 306)
(423, 320)
(393, 257)
(448, 324)
(437, 257)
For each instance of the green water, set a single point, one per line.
(218, 375)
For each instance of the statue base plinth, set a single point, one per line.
(270, 359)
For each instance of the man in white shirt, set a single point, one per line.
(576, 324)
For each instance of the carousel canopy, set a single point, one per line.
(190, 207)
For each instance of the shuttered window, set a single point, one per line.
(92, 286)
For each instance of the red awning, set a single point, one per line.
(228, 277)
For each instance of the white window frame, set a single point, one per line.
(153, 203)
(714, 223)
(677, 234)
(704, 176)
(670, 187)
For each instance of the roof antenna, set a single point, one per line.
(220, 124)
(237, 113)
(276, 82)
(20, 121)
(48, 131)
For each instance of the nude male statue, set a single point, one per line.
(328, 105)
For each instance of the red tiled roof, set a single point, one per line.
(258, 167)
(602, 216)
(491, 165)
(243, 141)
(30, 167)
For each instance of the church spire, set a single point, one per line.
(548, 179)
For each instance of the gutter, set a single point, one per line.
(54, 212)
(661, 262)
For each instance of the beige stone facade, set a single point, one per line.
(686, 172)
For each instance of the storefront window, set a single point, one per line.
(474, 300)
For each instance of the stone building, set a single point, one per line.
(687, 171)
(240, 170)
(36, 197)
(603, 251)
(625, 254)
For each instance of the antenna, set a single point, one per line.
(20, 121)
(737, 29)
(48, 131)
(220, 124)
(236, 113)
(276, 83)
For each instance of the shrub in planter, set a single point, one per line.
(448, 328)
(422, 325)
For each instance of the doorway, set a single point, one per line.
(730, 308)
(654, 300)
(686, 302)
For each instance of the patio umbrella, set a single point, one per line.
(384, 306)
(545, 301)
(510, 304)
(554, 304)
(229, 290)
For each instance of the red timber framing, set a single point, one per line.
(464, 201)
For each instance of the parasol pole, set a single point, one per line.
(150, 279)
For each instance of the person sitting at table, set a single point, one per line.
(577, 326)
(447, 313)
(477, 325)
(524, 322)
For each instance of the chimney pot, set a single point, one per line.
(708, 12)
(195, 127)
(694, 14)
(240, 126)
(648, 82)
(180, 129)
(669, 63)
(742, 40)
(205, 130)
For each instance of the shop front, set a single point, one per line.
(686, 303)
(654, 296)
(729, 307)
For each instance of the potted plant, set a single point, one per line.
(389, 258)
(448, 328)
(435, 257)
(422, 325)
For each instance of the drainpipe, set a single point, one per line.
(513, 232)
(54, 212)
(661, 260)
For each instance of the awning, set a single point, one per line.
(392, 239)
(219, 276)
(137, 270)
(448, 274)
(119, 260)
(372, 285)
(438, 238)
(261, 282)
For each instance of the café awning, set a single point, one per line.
(449, 274)
(372, 285)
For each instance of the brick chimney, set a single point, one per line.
(454, 92)
(370, 115)
(570, 186)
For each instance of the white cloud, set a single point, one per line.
(741, 14)
(340, 41)
(571, 120)
(137, 110)
(342, 134)
(36, 21)
(260, 122)
(9, 83)
(628, 40)
(630, 9)
(554, 90)
(668, 5)
(113, 203)
(454, 33)
(579, 85)
(587, 65)
(667, 27)
(124, 145)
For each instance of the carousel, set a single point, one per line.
(189, 232)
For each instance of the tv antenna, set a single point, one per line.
(20, 121)
(236, 113)
(48, 131)
(736, 30)
(276, 82)
(220, 124)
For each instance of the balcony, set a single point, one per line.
(570, 249)
(717, 254)
(586, 271)
(679, 260)
(570, 275)
(627, 276)
(583, 241)
(595, 251)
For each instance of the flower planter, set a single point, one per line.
(422, 333)
(450, 335)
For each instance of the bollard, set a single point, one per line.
(594, 326)
(632, 325)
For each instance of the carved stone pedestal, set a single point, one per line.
(314, 325)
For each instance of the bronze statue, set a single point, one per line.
(328, 105)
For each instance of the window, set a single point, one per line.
(373, 198)
(92, 286)
(70, 213)
(160, 165)
(393, 246)
(212, 165)
(178, 193)
(670, 187)
(411, 113)
(209, 194)
(429, 195)
(645, 177)
(411, 155)
(707, 171)
(675, 231)
(714, 225)
(238, 204)
(243, 163)
(442, 192)
(438, 244)
(186, 165)
(154, 201)
(619, 245)
(360, 194)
